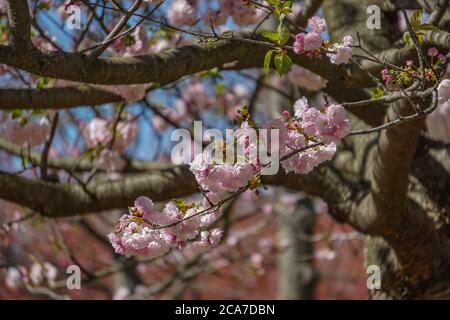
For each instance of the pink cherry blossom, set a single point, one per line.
(183, 12)
(233, 100)
(317, 24)
(136, 233)
(121, 293)
(32, 132)
(337, 125)
(433, 52)
(299, 44)
(13, 277)
(209, 239)
(226, 176)
(243, 14)
(174, 115)
(300, 106)
(196, 97)
(99, 131)
(96, 132)
(342, 52)
(312, 41)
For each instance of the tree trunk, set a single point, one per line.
(296, 273)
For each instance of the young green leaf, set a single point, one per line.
(283, 34)
(272, 36)
(282, 63)
(267, 60)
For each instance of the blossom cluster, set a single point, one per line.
(241, 12)
(311, 43)
(146, 231)
(394, 79)
(186, 12)
(38, 274)
(311, 126)
(25, 131)
(100, 134)
(99, 131)
(193, 100)
(231, 175)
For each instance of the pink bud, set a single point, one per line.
(433, 52)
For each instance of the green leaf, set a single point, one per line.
(272, 36)
(282, 63)
(213, 73)
(287, 6)
(16, 113)
(273, 2)
(42, 82)
(420, 38)
(283, 33)
(267, 60)
(428, 26)
(408, 40)
(416, 19)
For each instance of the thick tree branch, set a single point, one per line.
(56, 98)
(388, 212)
(62, 200)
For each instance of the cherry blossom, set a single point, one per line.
(13, 278)
(183, 12)
(433, 52)
(317, 24)
(242, 14)
(312, 41)
(209, 239)
(342, 52)
(299, 46)
(145, 231)
(99, 131)
(196, 97)
(32, 132)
